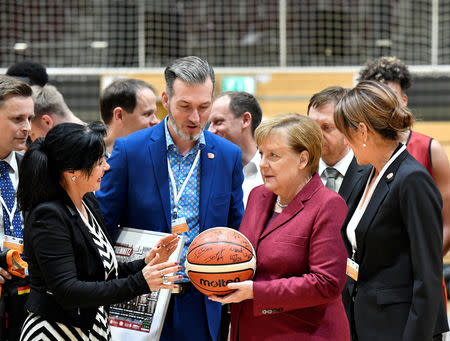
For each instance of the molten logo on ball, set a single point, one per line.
(219, 256)
(219, 283)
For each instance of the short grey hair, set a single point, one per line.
(191, 69)
(48, 100)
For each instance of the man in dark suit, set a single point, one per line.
(175, 174)
(338, 168)
(16, 111)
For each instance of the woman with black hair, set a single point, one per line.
(73, 269)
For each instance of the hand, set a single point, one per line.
(157, 276)
(162, 250)
(244, 291)
(4, 275)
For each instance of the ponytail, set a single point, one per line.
(37, 182)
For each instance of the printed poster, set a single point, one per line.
(141, 318)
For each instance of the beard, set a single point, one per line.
(179, 130)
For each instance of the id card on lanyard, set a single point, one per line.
(179, 224)
(352, 269)
(11, 242)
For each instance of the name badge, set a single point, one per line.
(179, 225)
(13, 243)
(352, 269)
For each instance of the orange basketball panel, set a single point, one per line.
(219, 253)
(217, 234)
(216, 283)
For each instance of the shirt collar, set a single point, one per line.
(341, 166)
(201, 143)
(12, 162)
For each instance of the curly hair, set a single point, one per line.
(30, 72)
(386, 69)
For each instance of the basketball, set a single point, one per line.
(219, 256)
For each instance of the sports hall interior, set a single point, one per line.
(289, 50)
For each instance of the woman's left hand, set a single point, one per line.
(162, 250)
(244, 291)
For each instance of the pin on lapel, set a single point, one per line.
(210, 156)
(390, 175)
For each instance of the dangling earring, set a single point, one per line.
(74, 178)
(364, 145)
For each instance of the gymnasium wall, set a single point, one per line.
(282, 92)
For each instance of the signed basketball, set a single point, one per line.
(219, 256)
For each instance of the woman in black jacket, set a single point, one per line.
(393, 231)
(73, 269)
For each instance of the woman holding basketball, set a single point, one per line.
(293, 222)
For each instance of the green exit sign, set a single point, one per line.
(239, 83)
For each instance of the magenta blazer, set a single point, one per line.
(300, 271)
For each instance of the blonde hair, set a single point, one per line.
(48, 100)
(375, 105)
(301, 133)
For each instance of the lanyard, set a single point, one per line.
(176, 195)
(10, 214)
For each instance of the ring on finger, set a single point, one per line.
(161, 273)
(165, 278)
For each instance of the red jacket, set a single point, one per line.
(300, 270)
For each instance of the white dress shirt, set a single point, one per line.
(341, 166)
(252, 176)
(367, 196)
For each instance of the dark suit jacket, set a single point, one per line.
(352, 180)
(19, 157)
(300, 268)
(135, 193)
(398, 295)
(66, 271)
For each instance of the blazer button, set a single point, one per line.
(264, 311)
(353, 298)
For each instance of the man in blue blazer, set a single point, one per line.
(176, 172)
